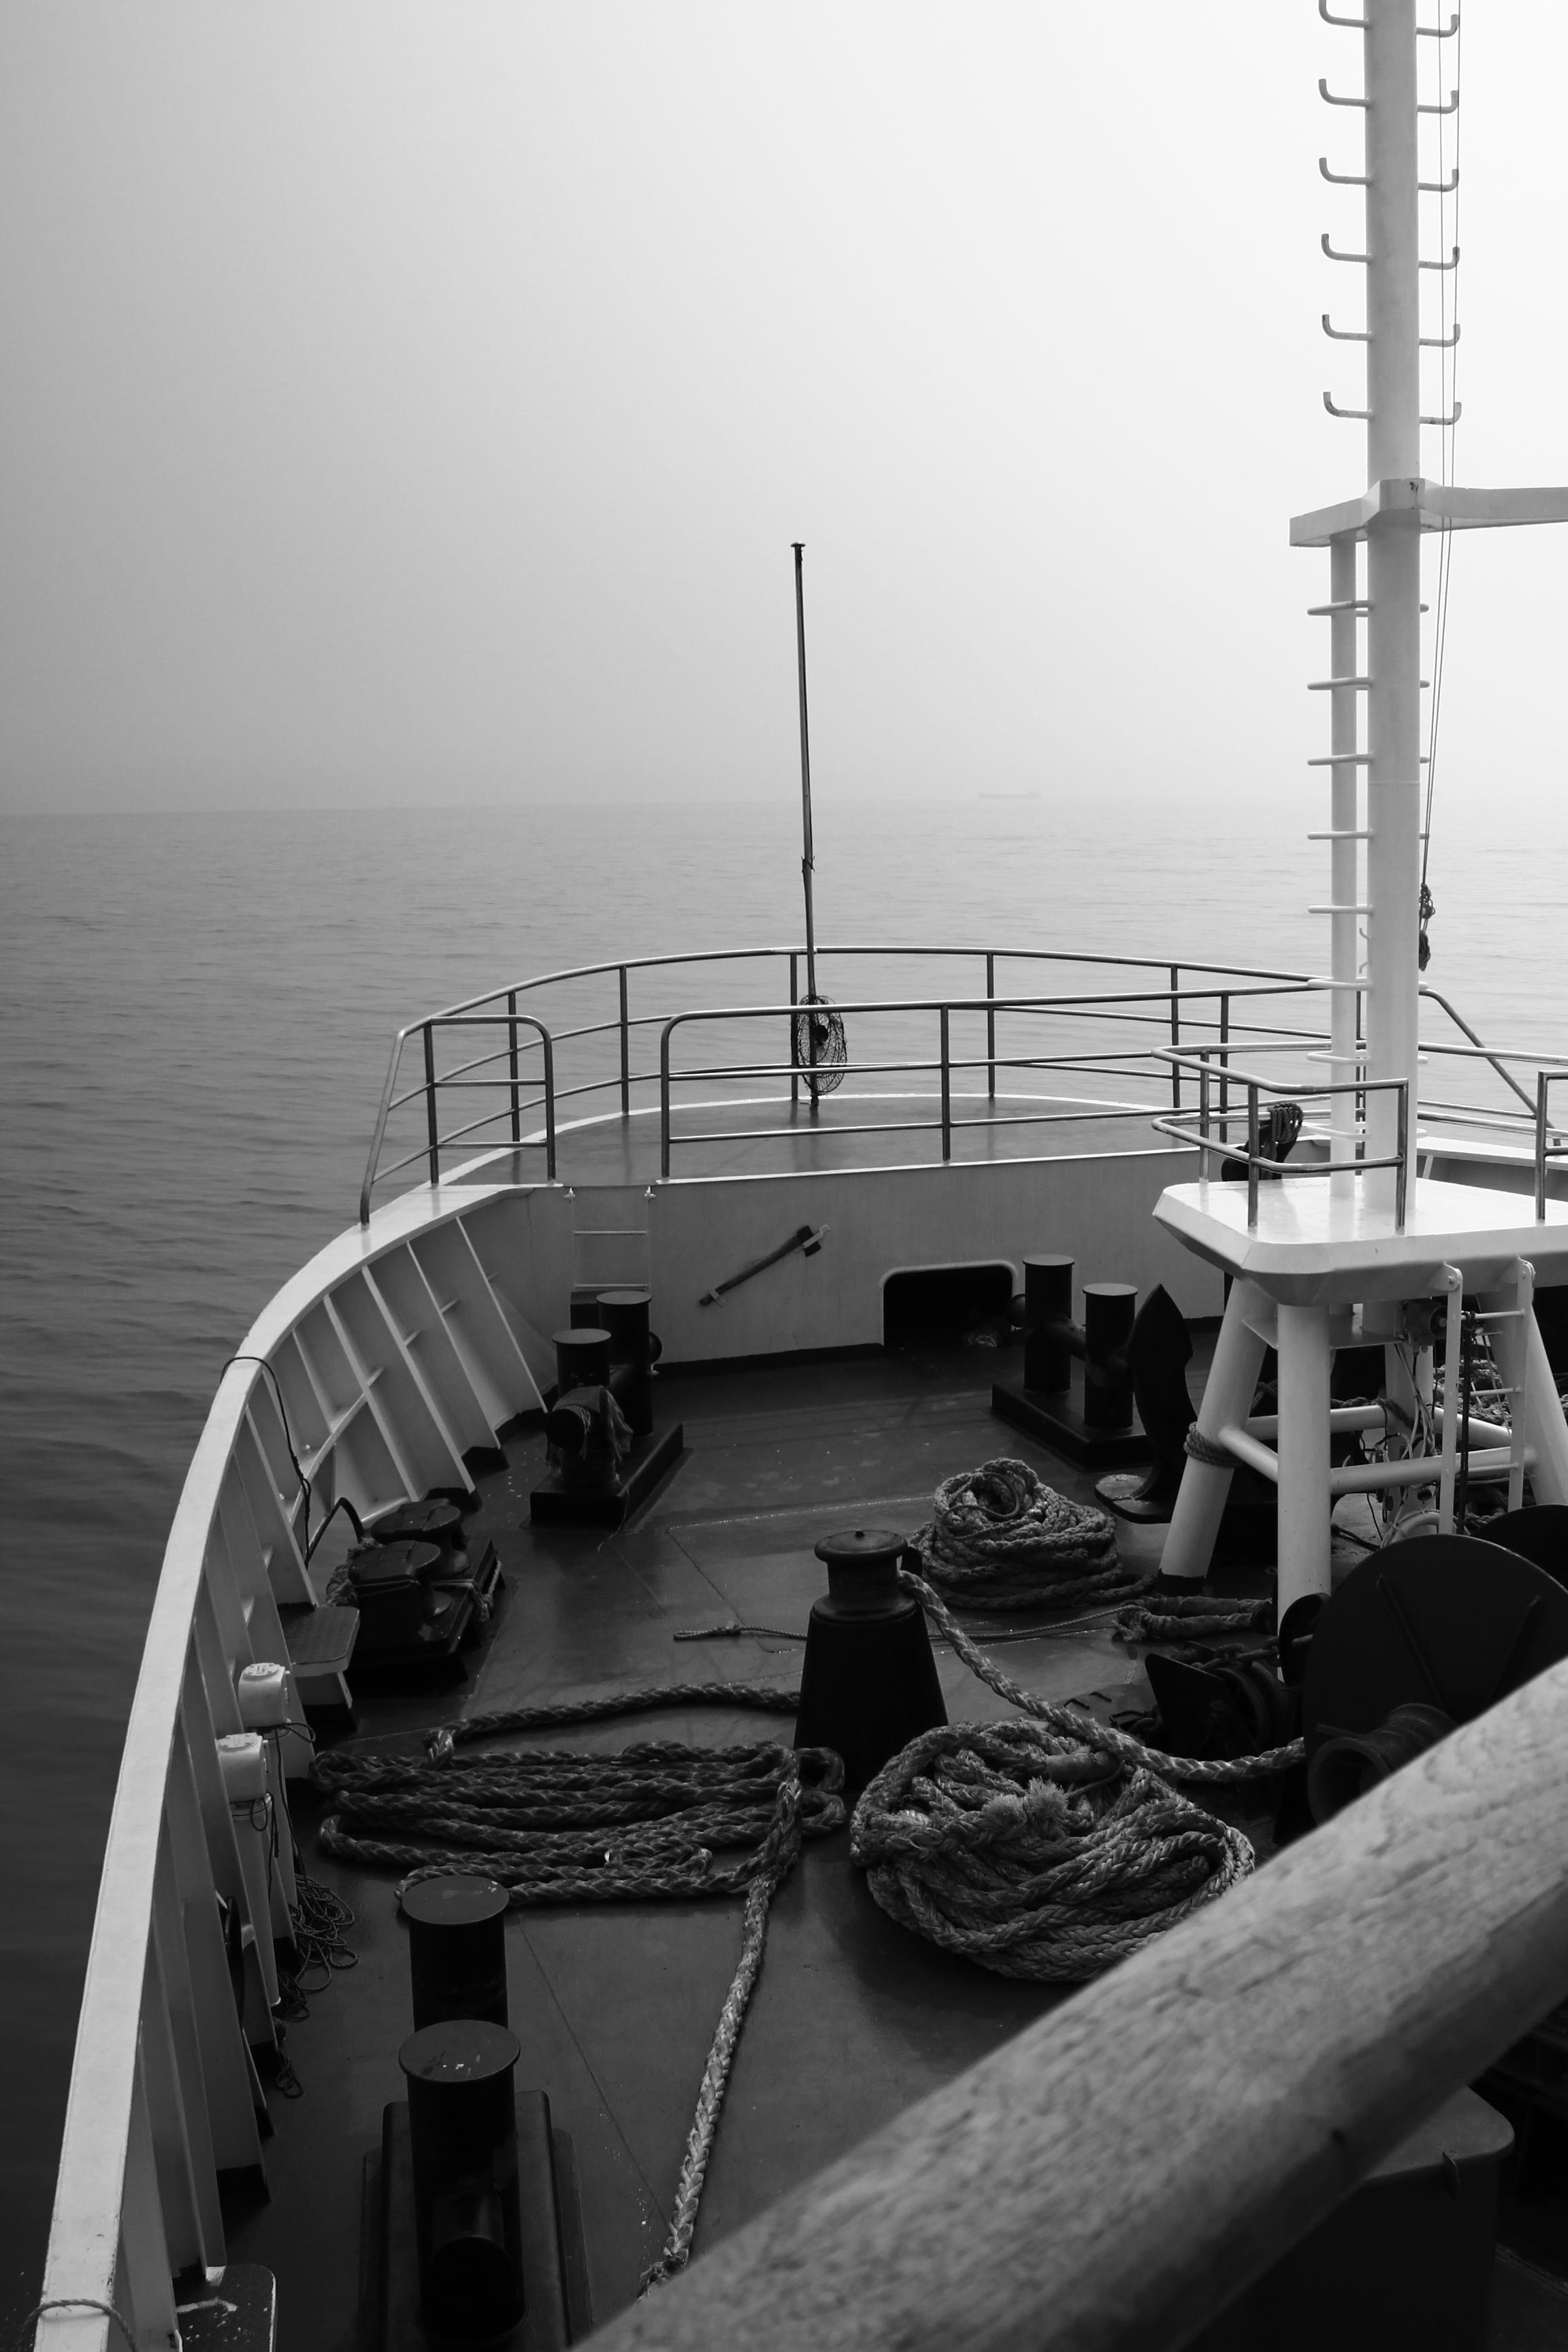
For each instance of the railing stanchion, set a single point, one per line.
(1401, 1172)
(946, 1087)
(794, 999)
(664, 1097)
(991, 1026)
(625, 1051)
(1204, 1115)
(1251, 1157)
(1541, 1087)
(1176, 1036)
(1224, 1065)
(545, 1041)
(512, 1036)
(432, 1130)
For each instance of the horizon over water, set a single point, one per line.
(196, 1011)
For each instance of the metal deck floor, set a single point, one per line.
(616, 2006)
(613, 1150)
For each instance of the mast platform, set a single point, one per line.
(1320, 1268)
(1313, 1246)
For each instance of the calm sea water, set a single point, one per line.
(194, 1014)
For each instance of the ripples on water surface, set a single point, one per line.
(196, 1013)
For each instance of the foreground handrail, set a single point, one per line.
(1114, 2176)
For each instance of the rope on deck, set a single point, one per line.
(553, 1825)
(1045, 1849)
(1034, 1854)
(999, 1538)
(1072, 1722)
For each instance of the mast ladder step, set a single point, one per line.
(1359, 908)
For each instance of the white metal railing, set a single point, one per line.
(489, 1066)
(1209, 1127)
(505, 1073)
(388, 1367)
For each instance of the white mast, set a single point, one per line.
(1302, 1280)
(1391, 755)
(1394, 564)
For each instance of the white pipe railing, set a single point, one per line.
(506, 1080)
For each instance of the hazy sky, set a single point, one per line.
(406, 402)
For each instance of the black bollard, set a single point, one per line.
(462, 2126)
(457, 1947)
(581, 1358)
(1048, 1323)
(1108, 1308)
(634, 1352)
(870, 1683)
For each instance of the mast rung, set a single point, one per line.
(1343, 833)
(1344, 605)
(1342, 760)
(1361, 987)
(1356, 909)
(1328, 684)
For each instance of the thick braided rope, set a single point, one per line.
(1207, 1450)
(548, 1715)
(676, 2250)
(1073, 1724)
(1182, 1617)
(999, 1538)
(1034, 1854)
(557, 1826)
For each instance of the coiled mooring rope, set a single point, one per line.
(556, 1826)
(1073, 1723)
(999, 1538)
(1034, 1854)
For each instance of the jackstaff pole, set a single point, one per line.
(807, 860)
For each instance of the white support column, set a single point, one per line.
(1394, 567)
(1304, 1503)
(1521, 1355)
(1227, 1397)
(1345, 865)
